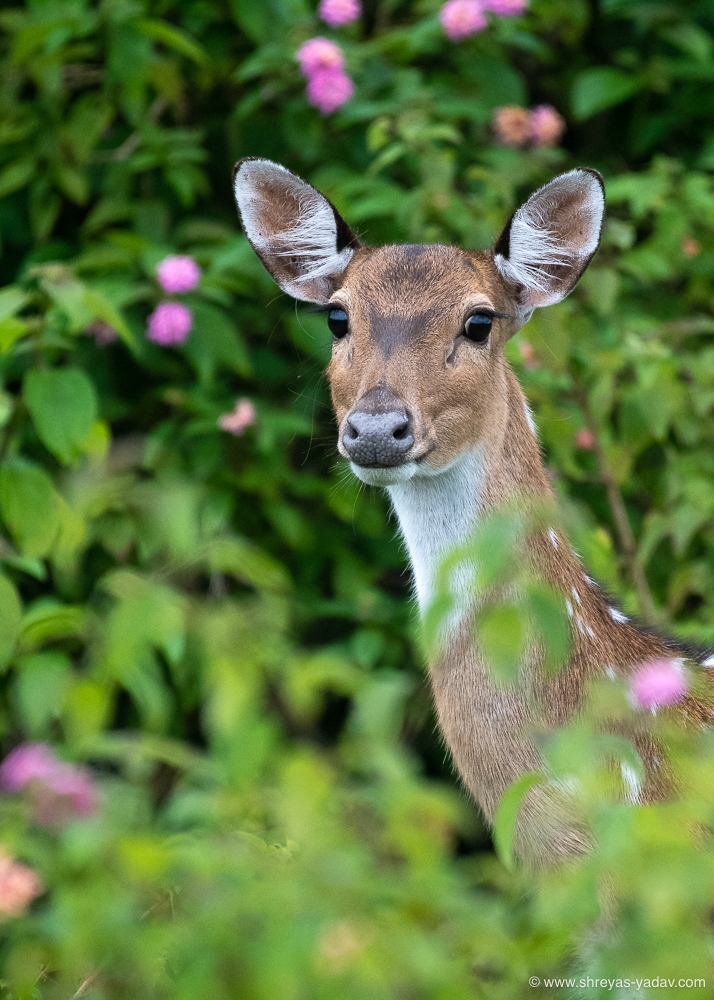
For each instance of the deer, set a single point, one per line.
(428, 408)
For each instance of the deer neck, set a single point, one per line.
(436, 513)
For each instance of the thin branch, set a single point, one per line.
(132, 142)
(625, 534)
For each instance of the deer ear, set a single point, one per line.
(552, 238)
(298, 234)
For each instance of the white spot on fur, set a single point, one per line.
(529, 418)
(579, 623)
(589, 631)
(308, 237)
(709, 662)
(617, 615)
(569, 608)
(631, 781)
(576, 595)
(536, 244)
(590, 582)
(553, 538)
(611, 673)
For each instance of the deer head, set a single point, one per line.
(418, 375)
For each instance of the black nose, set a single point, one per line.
(378, 438)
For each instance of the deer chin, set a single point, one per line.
(388, 475)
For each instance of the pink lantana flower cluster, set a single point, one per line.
(658, 683)
(58, 791)
(461, 18)
(322, 63)
(240, 417)
(539, 126)
(19, 885)
(339, 12)
(170, 323)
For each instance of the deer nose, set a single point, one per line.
(378, 438)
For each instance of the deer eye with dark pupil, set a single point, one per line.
(338, 322)
(478, 327)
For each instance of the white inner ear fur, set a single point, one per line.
(305, 232)
(545, 232)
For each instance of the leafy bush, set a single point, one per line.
(219, 623)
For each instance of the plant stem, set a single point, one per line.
(628, 544)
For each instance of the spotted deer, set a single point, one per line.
(428, 407)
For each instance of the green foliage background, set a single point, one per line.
(222, 626)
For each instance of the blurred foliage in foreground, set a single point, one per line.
(220, 624)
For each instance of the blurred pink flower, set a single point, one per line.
(19, 885)
(178, 274)
(525, 349)
(585, 439)
(103, 332)
(460, 18)
(512, 125)
(328, 90)
(26, 763)
(659, 682)
(691, 247)
(505, 8)
(339, 12)
(169, 324)
(547, 126)
(241, 416)
(319, 55)
(58, 790)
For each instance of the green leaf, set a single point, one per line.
(39, 689)
(16, 176)
(48, 620)
(599, 88)
(10, 619)
(11, 329)
(504, 824)
(501, 635)
(12, 300)
(28, 504)
(172, 38)
(247, 563)
(63, 405)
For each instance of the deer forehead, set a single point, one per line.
(399, 282)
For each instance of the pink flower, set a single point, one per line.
(319, 55)
(585, 439)
(512, 125)
(26, 763)
(505, 8)
(659, 682)
(339, 12)
(178, 274)
(170, 323)
(525, 349)
(547, 126)
(19, 885)
(102, 332)
(241, 416)
(328, 90)
(460, 18)
(58, 790)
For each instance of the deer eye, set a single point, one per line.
(338, 323)
(477, 327)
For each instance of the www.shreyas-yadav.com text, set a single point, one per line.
(658, 982)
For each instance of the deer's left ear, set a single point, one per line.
(552, 238)
(298, 234)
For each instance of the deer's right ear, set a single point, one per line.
(298, 234)
(552, 238)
